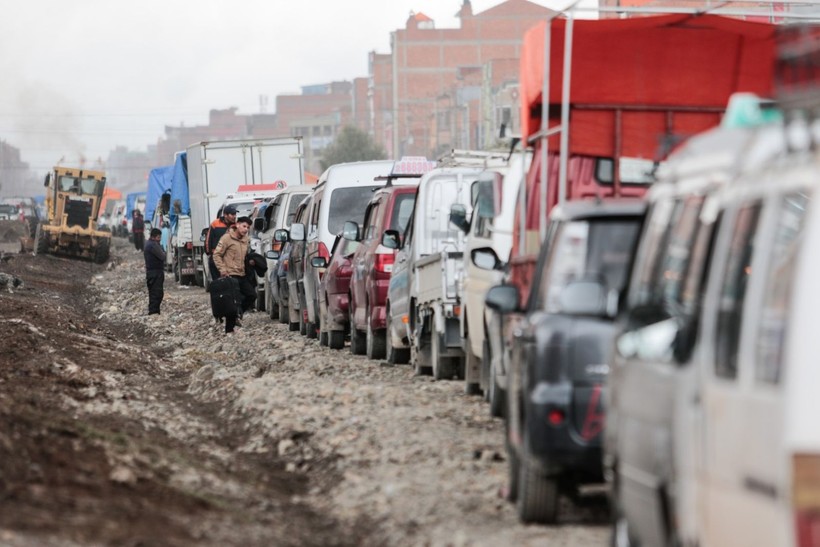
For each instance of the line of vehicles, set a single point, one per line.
(637, 319)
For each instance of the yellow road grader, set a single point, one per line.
(73, 203)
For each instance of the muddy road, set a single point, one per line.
(117, 428)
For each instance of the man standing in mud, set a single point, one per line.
(229, 257)
(154, 270)
(138, 229)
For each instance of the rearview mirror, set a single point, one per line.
(502, 298)
(585, 297)
(458, 217)
(202, 236)
(297, 232)
(318, 262)
(486, 259)
(272, 255)
(350, 231)
(280, 236)
(259, 224)
(391, 239)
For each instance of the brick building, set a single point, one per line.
(440, 96)
(16, 179)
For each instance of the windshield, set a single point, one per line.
(599, 250)
(244, 208)
(348, 204)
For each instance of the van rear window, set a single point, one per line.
(348, 204)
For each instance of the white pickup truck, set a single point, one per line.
(423, 297)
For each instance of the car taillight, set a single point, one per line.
(277, 246)
(806, 498)
(556, 416)
(384, 263)
(323, 253)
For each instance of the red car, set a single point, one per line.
(387, 215)
(334, 292)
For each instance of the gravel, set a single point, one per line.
(419, 459)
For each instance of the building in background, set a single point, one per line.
(437, 88)
(16, 179)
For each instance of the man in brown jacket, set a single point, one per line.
(229, 257)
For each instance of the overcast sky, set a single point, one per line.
(83, 76)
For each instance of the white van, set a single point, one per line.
(491, 225)
(712, 438)
(342, 194)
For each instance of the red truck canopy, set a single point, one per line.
(670, 74)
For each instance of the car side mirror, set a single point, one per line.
(202, 236)
(297, 232)
(47, 179)
(259, 224)
(585, 297)
(486, 259)
(318, 262)
(391, 239)
(502, 298)
(281, 235)
(458, 217)
(272, 255)
(350, 231)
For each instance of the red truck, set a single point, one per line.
(622, 93)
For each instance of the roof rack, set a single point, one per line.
(390, 178)
(477, 158)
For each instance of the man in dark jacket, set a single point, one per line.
(255, 265)
(218, 228)
(154, 271)
(138, 229)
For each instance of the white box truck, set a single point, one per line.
(218, 168)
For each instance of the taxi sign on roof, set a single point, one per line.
(413, 165)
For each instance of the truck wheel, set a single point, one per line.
(393, 355)
(495, 395)
(537, 493)
(375, 340)
(421, 357)
(336, 339)
(284, 314)
(472, 372)
(442, 366)
(102, 251)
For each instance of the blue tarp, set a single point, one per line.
(179, 186)
(130, 200)
(159, 182)
(40, 200)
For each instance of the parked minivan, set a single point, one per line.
(490, 225)
(731, 345)
(342, 193)
(279, 214)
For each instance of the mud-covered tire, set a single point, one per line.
(336, 339)
(40, 241)
(102, 251)
(537, 495)
(393, 355)
(284, 314)
(443, 367)
(358, 344)
(323, 338)
(374, 345)
(421, 358)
